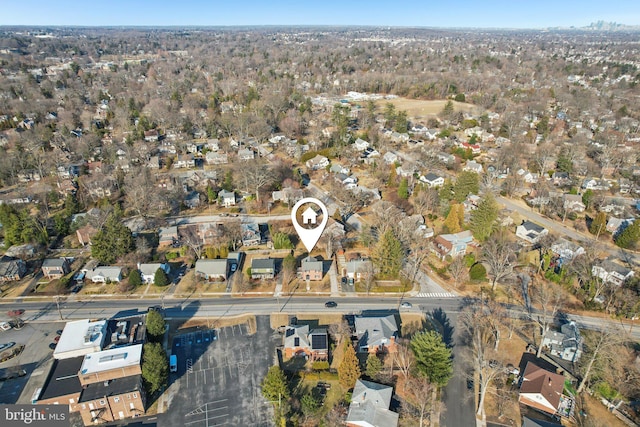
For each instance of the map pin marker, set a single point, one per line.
(309, 236)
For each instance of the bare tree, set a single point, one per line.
(258, 175)
(599, 346)
(233, 231)
(499, 255)
(340, 331)
(404, 360)
(479, 332)
(550, 299)
(421, 396)
(458, 271)
(189, 235)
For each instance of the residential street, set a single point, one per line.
(561, 229)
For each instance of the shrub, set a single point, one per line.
(320, 366)
(171, 255)
(477, 272)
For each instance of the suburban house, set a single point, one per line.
(148, 271)
(528, 177)
(151, 135)
(227, 198)
(369, 155)
(300, 341)
(55, 268)
(212, 269)
(376, 334)
(360, 144)
(184, 161)
(167, 236)
(251, 234)
(318, 162)
(11, 269)
(288, 195)
(263, 268)
(566, 344)
(452, 245)
(595, 184)
(390, 157)
(357, 268)
(310, 269)
(611, 272)
(246, 154)
(530, 231)
(472, 166)
(85, 233)
(616, 225)
(541, 389)
(561, 178)
(105, 274)
(370, 406)
(573, 202)
(566, 250)
(432, 180)
(216, 158)
(446, 158)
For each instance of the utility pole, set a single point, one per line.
(57, 297)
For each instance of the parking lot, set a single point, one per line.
(34, 359)
(218, 378)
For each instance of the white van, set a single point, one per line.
(173, 363)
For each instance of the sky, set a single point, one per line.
(398, 13)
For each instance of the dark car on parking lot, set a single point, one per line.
(330, 304)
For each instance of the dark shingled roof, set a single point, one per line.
(112, 388)
(63, 378)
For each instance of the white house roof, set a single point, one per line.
(80, 338)
(115, 358)
(370, 405)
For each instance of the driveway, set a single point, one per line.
(219, 375)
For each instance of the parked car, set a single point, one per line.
(330, 304)
(406, 304)
(5, 326)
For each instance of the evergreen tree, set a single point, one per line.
(433, 357)
(227, 184)
(452, 222)
(389, 115)
(155, 325)
(112, 241)
(349, 368)
(467, 183)
(448, 110)
(374, 366)
(160, 278)
(628, 238)
(155, 367)
(564, 163)
(403, 189)
(402, 122)
(587, 198)
(274, 385)
(387, 255)
(134, 278)
(446, 191)
(599, 224)
(483, 219)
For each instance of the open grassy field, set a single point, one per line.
(419, 108)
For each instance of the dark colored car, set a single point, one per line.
(343, 280)
(330, 304)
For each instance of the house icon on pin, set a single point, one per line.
(309, 216)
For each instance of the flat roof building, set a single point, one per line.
(80, 338)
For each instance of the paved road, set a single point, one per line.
(561, 229)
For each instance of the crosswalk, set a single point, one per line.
(435, 295)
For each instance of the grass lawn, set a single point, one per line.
(422, 108)
(332, 397)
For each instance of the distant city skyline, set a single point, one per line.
(405, 13)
